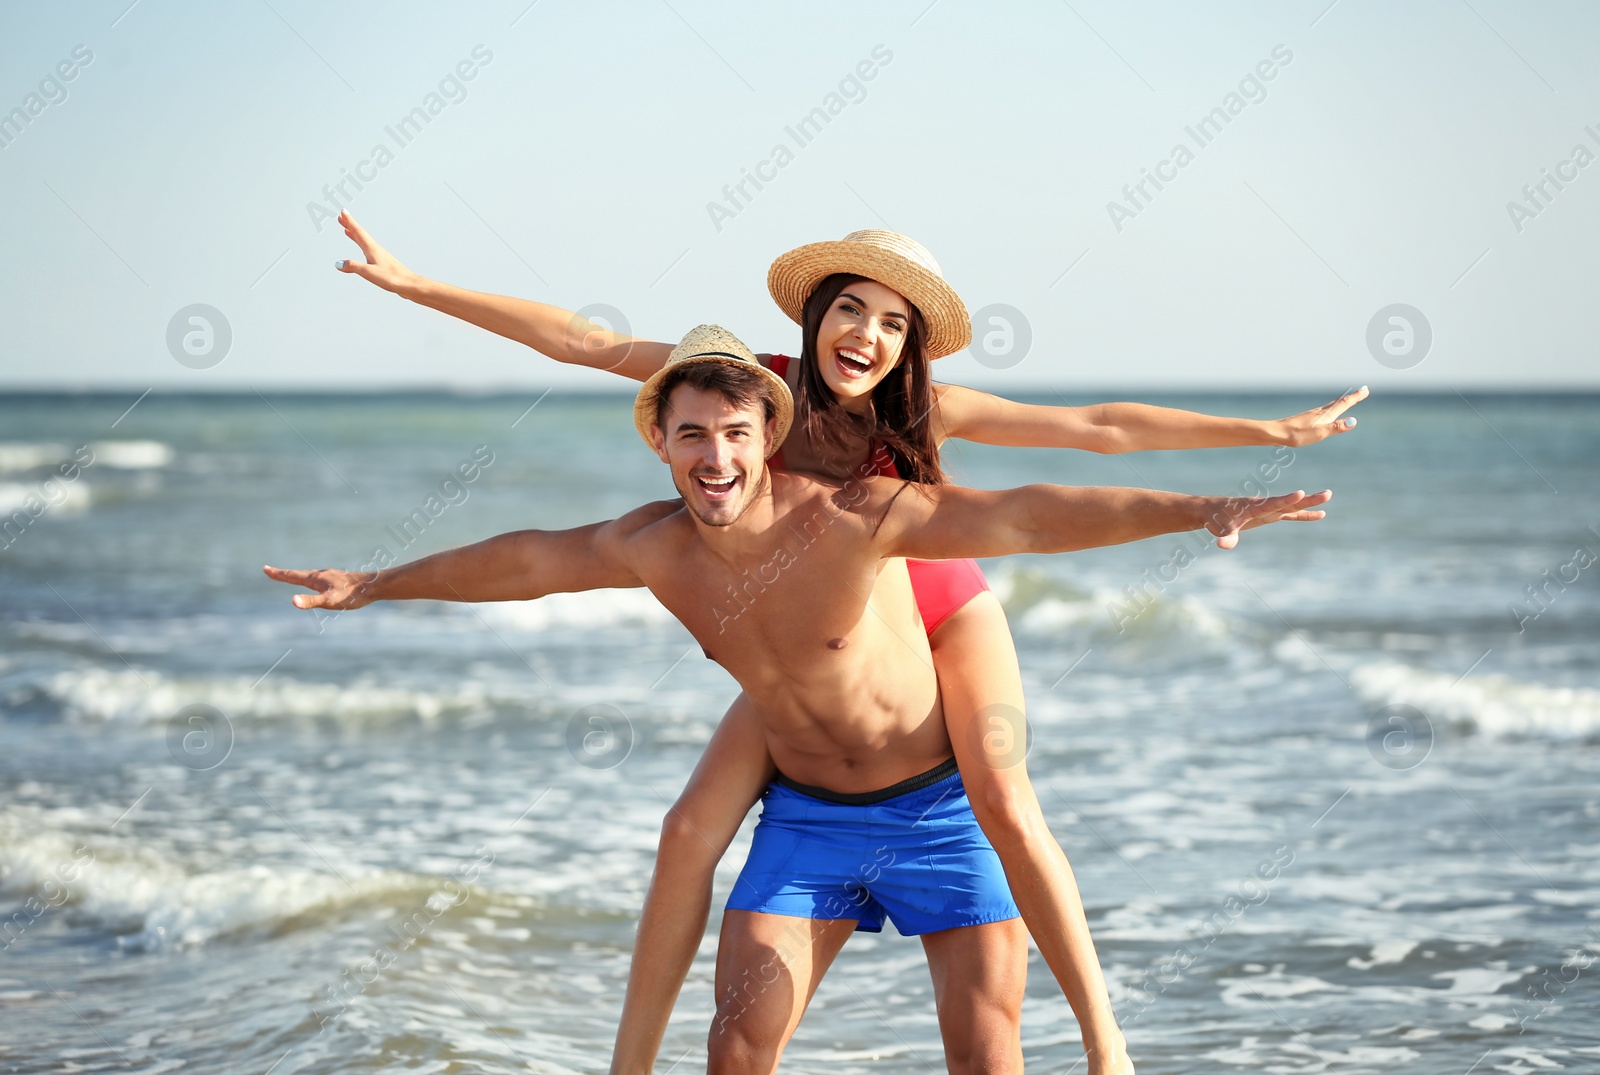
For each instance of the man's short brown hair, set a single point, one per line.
(738, 384)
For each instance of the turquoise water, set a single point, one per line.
(372, 846)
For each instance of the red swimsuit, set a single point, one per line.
(940, 586)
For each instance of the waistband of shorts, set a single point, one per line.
(943, 771)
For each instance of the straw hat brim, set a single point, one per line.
(645, 404)
(795, 275)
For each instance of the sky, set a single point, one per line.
(1349, 216)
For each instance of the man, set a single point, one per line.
(793, 584)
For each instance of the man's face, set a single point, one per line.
(717, 450)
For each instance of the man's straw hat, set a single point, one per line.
(713, 343)
(890, 259)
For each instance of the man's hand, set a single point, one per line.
(1320, 423)
(381, 267)
(1229, 515)
(334, 589)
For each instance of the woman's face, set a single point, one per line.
(861, 338)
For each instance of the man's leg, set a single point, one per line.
(979, 973)
(768, 967)
(694, 834)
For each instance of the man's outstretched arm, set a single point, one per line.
(518, 566)
(946, 522)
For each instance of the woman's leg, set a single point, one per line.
(981, 686)
(731, 775)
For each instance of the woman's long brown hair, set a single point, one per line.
(901, 403)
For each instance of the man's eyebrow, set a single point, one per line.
(859, 301)
(696, 427)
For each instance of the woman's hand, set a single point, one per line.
(381, 267)
(1319, 423)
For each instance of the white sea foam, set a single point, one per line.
(1384, 952)
(1494, 705)
(39, 501)
(131, 454)
(24, 455)
(103, 694)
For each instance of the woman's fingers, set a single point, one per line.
(359, 235)
(1311, 426)
(359, 268)
(1342, 404)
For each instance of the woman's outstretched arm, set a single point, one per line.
(550, 330)
(1113, 428)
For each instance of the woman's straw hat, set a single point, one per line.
(890, 259)
(713, 343)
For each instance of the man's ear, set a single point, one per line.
(769, 432)
(658, 442)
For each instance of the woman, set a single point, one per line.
(875, 311)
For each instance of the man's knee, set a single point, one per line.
(989, 1042)
(734, 1046)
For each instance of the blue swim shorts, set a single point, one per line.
(912, 852)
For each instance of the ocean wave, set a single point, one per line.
(1145, 625)
(149, 900)
(20, 456)
(149, 696)
(595, 609)
(25, 455)
(62, 498)
(1492, 704)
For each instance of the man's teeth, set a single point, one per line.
(719, 482)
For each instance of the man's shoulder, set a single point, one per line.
(650, 523)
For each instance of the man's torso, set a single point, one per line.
(820, 631)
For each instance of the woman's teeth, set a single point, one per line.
(852, 361)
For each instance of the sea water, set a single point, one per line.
(1331, 797)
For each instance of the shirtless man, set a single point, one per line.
(795, 585)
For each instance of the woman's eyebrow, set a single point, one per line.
(861, 302)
